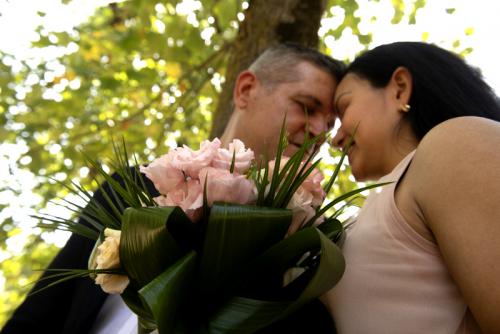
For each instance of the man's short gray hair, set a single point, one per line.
(278, 63)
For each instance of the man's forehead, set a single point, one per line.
(310, 69)
(301, 73)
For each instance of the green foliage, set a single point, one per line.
(18, 271)
(351, 18)
(140, 69)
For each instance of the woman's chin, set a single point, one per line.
(358, 174)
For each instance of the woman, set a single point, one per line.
(424, 254)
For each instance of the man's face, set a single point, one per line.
(307, 103)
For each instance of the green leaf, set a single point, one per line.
(64, 275)
(147, 248)
(331, 227)
(343, 197)
(298, 179)
(167, 292)
(233, 162)
(236, 234)
(134, 301)
(275, 180)
(62, 224)
(247, 315)
(293, 175)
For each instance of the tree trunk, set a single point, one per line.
(267, 22)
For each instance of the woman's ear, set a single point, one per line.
(243, 87)
(402, 84)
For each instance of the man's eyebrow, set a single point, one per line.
(336, 104)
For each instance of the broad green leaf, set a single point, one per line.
(147, 248)
(247, 315)
(134, 301)
(236, 234)
(167, 293)
(331, 228)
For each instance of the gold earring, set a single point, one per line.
(405, 107)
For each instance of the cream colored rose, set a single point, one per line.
(112, 284)
(108, 257)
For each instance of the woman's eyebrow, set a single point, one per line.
(336, 104)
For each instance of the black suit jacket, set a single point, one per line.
(69, 307)
(72, 307)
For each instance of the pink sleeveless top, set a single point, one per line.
(395, 280)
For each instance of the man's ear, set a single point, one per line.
(243, 87)
(402, 84)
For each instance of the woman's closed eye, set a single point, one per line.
(341, 112)
(342, 104)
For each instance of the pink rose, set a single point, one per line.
(189, 197)
(300, 216)
(242, 157)
(226, 187)
(272, 163)
(164, 175)
(303, 210)
(191, 162)
(313, 185)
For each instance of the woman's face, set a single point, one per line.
(377, 115)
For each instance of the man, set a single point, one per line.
(295, 81)
(286, 79)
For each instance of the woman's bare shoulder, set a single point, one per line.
(460, 140)
(455, 180)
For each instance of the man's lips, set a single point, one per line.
(309, 151)
(297, 145)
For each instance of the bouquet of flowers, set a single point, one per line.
(225, 244)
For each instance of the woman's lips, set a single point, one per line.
(349, 151)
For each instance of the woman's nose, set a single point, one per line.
(338, 139)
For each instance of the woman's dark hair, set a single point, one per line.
(444, 86)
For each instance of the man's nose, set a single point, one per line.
(317, 124)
